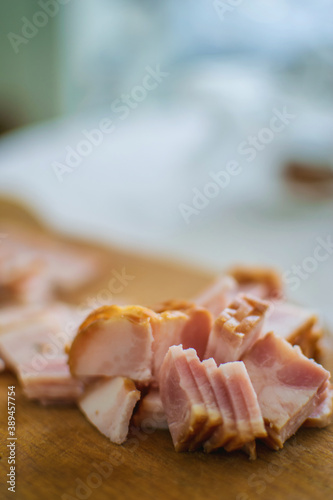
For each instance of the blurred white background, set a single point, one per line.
(230, 65)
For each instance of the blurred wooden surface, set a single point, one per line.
(61, 456)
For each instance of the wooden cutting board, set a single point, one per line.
(61, 456)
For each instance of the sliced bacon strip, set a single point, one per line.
(236, 329)
(249, 420)
(186, 412)
(214, 418)
(287, 385)
(114, 341)
(228, 429)
(109, 404)
(241, 415)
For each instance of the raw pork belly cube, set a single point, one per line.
(236, 329)
(109, 404)
(288, 386)
(114, 341)
(184, 407)
(179, 323)
(242, 421)
(150, 412)
(296, 324)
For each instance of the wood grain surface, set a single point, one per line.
(61, 456)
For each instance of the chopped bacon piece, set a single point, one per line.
(167, 330)
(185, 410)
(34, 351)
(132, 341)
(179, 323)
(241, 415)
(249, 420)
(109, 404)
(218, 295)
(322, 415)
(287, 385)
(295, 324)
(264, 281)
(33, 268)
(150, 412)
(114, 341)
(228, 429)
(236, 329)
(207, 405)
(214, 418)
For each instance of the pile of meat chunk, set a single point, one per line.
(232, 367)
(237, 364)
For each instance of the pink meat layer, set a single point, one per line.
(287, 385)
(34, 351)
(182, 402)
(150, 412)
(109, 404)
